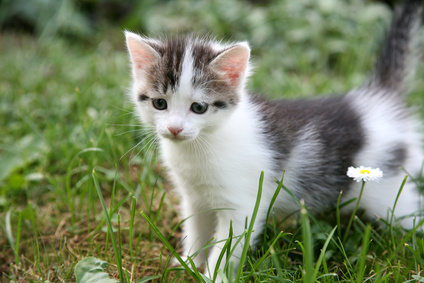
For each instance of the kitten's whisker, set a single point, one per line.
(126, 125)
(126, 132)
(203, 145)
(152, 144)
(125, 114)
(132, 148)
(120, 108)
(140, 142)
(149, 144)
(197, 148)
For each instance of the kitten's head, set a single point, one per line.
(185, 87)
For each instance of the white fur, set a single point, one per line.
(381, 119)
(207, 175)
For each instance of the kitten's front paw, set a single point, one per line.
(175, 262)
(198, 265)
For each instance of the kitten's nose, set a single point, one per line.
(175, 131)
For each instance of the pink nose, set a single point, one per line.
(175, 131)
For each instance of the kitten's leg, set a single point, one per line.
(409, 204)
(238, 218)
(378, 200)
(198, 229)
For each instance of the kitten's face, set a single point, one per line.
(183, 113)
(186, 87)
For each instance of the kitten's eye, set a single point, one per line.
(199, 108)
(160, 104)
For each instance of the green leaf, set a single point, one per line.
(24, 151)
(91, 270)
(418, 278)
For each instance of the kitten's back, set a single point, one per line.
(316, 140)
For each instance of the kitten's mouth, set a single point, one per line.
(177, 138)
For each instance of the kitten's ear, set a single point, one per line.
(233, 62)
(141, 53)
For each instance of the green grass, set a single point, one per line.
(64, 113)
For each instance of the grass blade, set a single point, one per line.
(250, 230)
(393, 210)
(322, 254)
(339, 227)
(133, 204)
(308, 254)
(112, 200)
(68, 189)
(225, 250)
(363, 258)
(274, 197)
(170, 248)
(257, 264)
(9, 233)
(18, 237)
(110, 228)
(352, 217)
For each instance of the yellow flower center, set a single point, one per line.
(363, 171)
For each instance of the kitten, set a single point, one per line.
(216, 138)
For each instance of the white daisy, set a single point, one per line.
(364, 173)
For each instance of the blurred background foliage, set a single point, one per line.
(287, 35)
(64, 68)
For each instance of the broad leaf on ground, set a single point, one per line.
(91, 270)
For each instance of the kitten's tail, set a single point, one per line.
(395, 64)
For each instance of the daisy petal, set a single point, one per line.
(364, 173)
